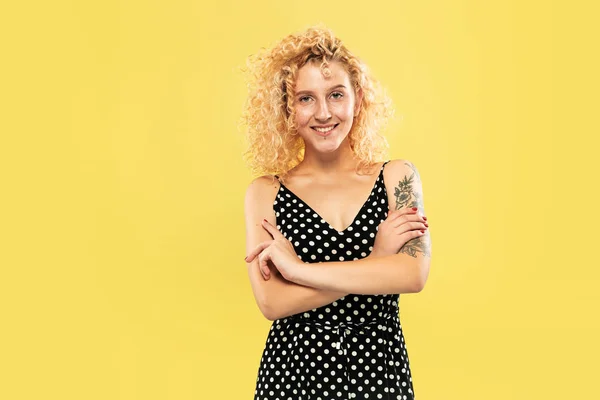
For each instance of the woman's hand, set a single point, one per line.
(279, 251)
(399, 227)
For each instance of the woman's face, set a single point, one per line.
(324, 103)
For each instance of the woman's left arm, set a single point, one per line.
(405, 272)
(396, 273)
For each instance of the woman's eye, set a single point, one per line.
(337, 95)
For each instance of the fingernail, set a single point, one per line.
(246, 258)
(415, 208)
(265, 220)
(425, 218)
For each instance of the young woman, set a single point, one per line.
(333, 234)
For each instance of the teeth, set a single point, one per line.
(324, 130)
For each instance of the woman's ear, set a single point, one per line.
(357, 103)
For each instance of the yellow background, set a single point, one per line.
(122, 226)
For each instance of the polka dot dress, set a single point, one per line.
(352, 348)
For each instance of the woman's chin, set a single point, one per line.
(328, 145)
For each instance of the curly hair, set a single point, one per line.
(274, 147)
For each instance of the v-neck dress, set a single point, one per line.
(352, 348)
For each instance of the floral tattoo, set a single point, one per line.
(407, 196)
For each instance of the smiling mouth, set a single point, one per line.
(325, 130)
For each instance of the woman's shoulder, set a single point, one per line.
(401, 166)
(401, 172)
(403, 183)
(264, 180)
(264, 183)
(262, 189)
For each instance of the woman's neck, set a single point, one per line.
(331, 164)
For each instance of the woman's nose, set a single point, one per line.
(323, 111)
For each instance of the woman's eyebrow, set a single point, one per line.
(310, 92)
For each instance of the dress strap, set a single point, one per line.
(383, 165)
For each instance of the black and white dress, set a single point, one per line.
(352, 348)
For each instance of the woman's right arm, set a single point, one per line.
(277, 297)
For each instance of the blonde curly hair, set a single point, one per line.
(274, 147)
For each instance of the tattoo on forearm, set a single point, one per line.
(406, 196)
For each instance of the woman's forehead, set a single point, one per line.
(310, 77)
